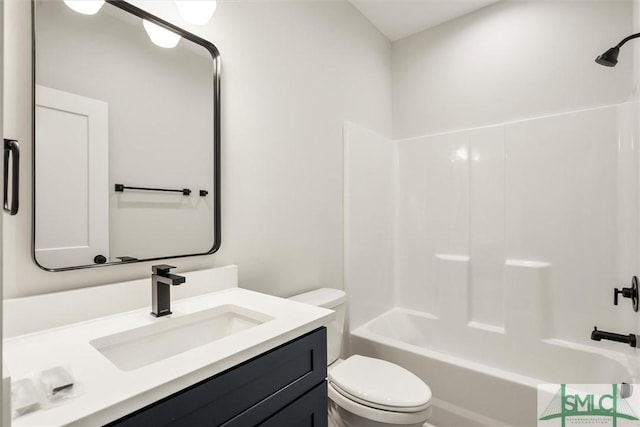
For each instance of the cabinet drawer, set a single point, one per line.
(246, 394)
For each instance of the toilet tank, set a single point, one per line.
(332, 299)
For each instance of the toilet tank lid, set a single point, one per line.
(323, 297)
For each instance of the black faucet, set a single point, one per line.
(160, 293)
(630, 339)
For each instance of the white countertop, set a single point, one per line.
(106, 393)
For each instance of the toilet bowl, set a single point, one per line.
(368, 392)
(364, 391)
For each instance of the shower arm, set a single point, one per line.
(626, 39)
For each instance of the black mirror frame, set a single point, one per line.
(215, 54)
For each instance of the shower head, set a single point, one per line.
(610, 57)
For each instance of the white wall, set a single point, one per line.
(509, 61)
(320, 63)
(369, 242)
(292, 72)
(5, 389)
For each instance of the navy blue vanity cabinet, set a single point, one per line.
(285, 386)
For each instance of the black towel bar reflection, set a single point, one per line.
(121, 187)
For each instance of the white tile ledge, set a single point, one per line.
(108, 393)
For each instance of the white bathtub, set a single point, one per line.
(484, 377)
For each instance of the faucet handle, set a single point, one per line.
(161, 268)
(631, 292)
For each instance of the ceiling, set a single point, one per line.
(398, 19)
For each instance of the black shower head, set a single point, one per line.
(610, 57)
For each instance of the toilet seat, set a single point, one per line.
(407, 409)
(374, 414)
(380, 384)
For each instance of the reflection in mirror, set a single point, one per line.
(126, 145)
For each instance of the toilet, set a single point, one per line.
(364, 391)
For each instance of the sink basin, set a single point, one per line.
(138, 347)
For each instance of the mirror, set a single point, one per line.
(126, 139)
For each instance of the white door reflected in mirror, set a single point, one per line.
(72, 201)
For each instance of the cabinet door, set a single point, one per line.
(245, 395)
(308, 411)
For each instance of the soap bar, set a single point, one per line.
(24, 397)
(56, 380)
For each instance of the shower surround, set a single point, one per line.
(507, 241)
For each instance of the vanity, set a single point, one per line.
(284, 386)
(231, 357)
